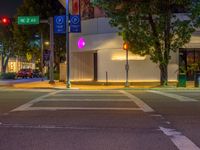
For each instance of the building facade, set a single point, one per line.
(103, 56)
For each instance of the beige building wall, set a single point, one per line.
(82, 67)
(103, 38)
(140, 68)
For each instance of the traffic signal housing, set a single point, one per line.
(125, 46)
(5, 21)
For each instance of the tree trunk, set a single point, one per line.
(163, 74)
(4, 64)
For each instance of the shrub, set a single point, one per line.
(9, 75)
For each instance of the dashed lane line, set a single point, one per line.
(179, 140)
(175, 96)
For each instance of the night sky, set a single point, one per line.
(9, 7)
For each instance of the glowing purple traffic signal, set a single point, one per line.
(81, 43)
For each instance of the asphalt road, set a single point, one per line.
(99, 120)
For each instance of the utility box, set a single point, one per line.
(182, 80)
(197, 79)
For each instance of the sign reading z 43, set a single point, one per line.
(28, 20)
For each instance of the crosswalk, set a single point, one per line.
(86, 100)
(95, 100)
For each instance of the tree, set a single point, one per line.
(25, 36)
(151, 27)
(7, 45)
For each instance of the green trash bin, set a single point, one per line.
(197, 79)
(182, 80)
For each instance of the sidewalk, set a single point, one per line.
(99, 86)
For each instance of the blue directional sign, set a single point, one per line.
(60, 24)
(75, 23)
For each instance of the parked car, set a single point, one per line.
(37, 73)
(25, 73)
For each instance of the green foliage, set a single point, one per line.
(7, 44)
(151, 27)
(9, 75)
(25, 35)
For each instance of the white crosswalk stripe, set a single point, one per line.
(175, 96)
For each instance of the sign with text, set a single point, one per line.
(28, 20)
(60, 24)
(75, 23)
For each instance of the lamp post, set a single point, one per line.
(51, 25)
(68, 82)
(125, 47)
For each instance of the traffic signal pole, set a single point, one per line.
(68, 82)
(127, 69)
(51, 69)
(51, 63)
(126, 47)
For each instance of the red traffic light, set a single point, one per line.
(125, 46)
(5, 20)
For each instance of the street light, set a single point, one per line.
(46, 43)
(126, 47)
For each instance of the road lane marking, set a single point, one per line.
(27, 90)
(30, 103)
(89, 95)
(175, 96)
(89, 100)
(81, 108)
(139, 102)
(180, 141)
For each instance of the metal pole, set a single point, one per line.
(68, 83)
(127, 69)
(51, 51)
(2, 58)
(42, 51)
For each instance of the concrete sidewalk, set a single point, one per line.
(98, 86)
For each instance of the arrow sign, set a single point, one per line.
(75, 23)
(59, 24)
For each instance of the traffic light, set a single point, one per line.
(125, 46)
(5, 21)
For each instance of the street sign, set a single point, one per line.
(75, 23)
(28, 20)
(60, 24)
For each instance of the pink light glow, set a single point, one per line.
(81, 43)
